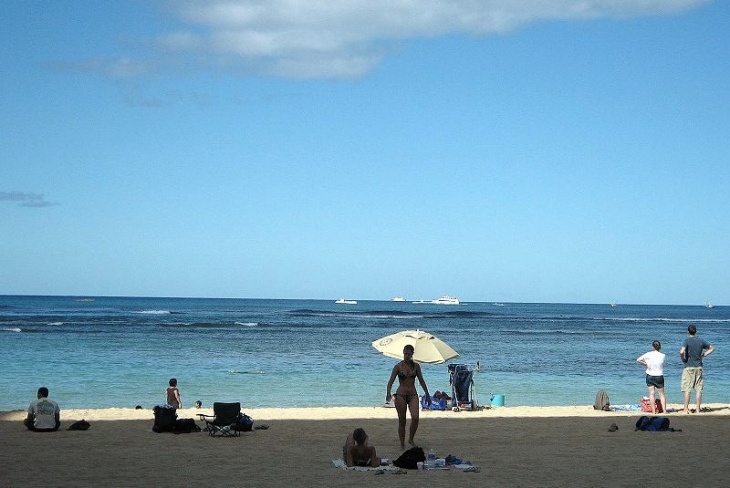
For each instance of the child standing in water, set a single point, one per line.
(173, 394)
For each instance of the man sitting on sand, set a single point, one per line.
(44, 415)
(441, 394)
(356, 451)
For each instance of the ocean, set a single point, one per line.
(105, 352)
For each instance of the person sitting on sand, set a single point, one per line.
(198, 404)
(44, 415)
(441, 394)
(356, 451)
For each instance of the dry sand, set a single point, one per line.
(512, 446)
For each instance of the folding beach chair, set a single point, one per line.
(224, 421)
(461, 379)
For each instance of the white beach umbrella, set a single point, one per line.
(428, 348)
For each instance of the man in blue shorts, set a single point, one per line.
(692, 353)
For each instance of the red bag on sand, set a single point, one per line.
(646, 405)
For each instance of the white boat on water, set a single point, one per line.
(708, 305)
(346, 302)
(397, 299)
(446, 300)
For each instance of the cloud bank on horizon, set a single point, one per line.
(340, 40)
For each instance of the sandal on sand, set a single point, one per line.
(613, 428)
(261, 426)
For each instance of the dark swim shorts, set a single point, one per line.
(655, 381)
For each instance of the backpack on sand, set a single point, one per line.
(410, 458)
(79, 425)
(645, 405)
(244, 423)
(186, 426)
(602, 402)
(654, 424)
(165, 418)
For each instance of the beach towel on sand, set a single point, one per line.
(340, 463)
(465, 467)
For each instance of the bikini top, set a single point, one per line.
(402, 375)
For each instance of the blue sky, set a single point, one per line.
(527, 151)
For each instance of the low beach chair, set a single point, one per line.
(224, 421)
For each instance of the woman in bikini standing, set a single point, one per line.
(406, 396)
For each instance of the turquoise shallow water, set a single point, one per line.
(120, 352)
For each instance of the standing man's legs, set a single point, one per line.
(686, 401)
(698, 397)
(686, 387)
(699, 385)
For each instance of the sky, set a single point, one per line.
(571, 151)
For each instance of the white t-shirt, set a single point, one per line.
(655, 361)
(44, 411)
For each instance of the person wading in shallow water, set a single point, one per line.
(406, 396)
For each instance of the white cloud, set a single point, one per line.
(344, 39)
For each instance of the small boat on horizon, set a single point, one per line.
(397, 299)
(346, 301)
(709, 305)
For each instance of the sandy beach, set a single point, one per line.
(512, 446)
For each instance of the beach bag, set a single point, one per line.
(244, 424)
(602, 402)
(652, 424)
(645, 405)
(410, 458)
(439, 404)
(165, 418)
(186, 426)
(79, 425)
